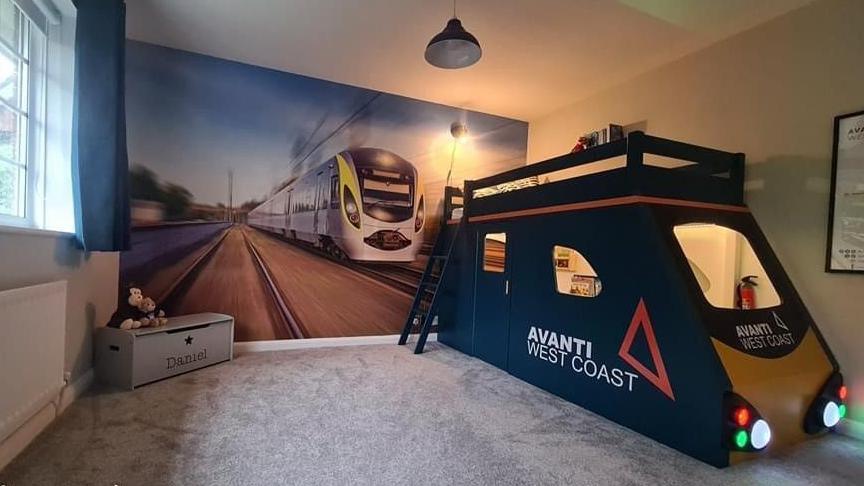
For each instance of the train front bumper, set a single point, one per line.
(387, 240)
(384, 243)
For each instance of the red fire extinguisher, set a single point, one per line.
(746, 292)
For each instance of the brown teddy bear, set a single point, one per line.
(140, 313)
(150, 316)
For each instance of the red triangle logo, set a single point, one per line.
(659, 379)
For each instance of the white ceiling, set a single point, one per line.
(538, 55)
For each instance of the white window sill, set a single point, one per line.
(30, 231)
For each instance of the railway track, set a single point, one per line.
(171, 297)
(410, 273)
(405, 274)
(379, 274)
(426, 248)
(398, 277)
(290, 321)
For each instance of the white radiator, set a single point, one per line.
(32, 344)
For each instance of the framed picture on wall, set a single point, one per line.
(846, 212)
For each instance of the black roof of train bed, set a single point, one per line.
(712, 177)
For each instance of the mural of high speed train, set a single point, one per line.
(363, 204)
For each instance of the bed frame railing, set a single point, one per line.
(719, 171)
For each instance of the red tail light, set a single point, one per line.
(741, 416)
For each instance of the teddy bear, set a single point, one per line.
(140, 313)
(147, 307)
(150, 316)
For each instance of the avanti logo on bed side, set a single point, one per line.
(560, 349)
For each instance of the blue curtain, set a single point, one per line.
(100, 169)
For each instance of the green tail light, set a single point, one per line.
(741, 439)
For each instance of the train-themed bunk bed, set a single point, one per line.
(644, 293)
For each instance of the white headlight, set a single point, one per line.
(760, 434)
(830, 414)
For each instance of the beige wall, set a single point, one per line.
(30, 258)
(772, 93)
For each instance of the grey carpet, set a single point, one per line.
(373, 415)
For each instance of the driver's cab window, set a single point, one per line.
(726, 267)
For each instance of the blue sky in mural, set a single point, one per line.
(192, 118)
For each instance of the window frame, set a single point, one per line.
(597, 282)
(47, 133)
(22, 160)
(488, 267)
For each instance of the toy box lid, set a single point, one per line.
(184, 322)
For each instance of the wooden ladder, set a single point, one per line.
(426, 300)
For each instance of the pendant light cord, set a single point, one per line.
(454, 9)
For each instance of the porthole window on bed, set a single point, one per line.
(726, 267)
(573, 274)
(494, 252)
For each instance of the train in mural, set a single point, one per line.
(363, 204)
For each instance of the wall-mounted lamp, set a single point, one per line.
(459, 130)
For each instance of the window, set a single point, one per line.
(322, 198)
(726, 267)
(35, 128)
(334, 192)
(494, 252)
(573, 274)
(16, 89)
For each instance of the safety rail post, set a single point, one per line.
(467, 197)
(635, 151)
(736, 176)
(635, 157)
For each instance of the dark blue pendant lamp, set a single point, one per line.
(454, 47)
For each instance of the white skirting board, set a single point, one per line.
(26, 433)
(284, 344)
